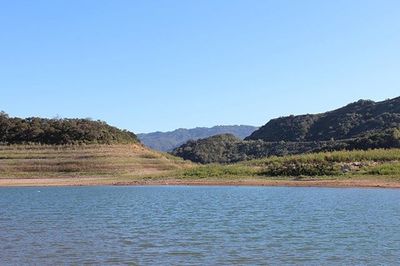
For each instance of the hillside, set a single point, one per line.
(167, 141)
(14, 130)
(229, 149)
(361, 125)
(347, 122)
(38, 151)
(82, 164)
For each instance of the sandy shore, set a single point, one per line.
(173, 182)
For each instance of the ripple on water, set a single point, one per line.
(199, 225)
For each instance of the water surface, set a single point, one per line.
(199, 226)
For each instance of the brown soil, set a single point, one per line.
(88, 181)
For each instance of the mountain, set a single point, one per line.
(14, 130)
(167, 141)
(360, 125)
(344, 123)
(229, 149)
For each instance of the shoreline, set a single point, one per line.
(63, 182)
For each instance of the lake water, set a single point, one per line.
(199, 226)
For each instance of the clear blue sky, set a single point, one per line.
(160, 65)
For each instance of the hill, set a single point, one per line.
(31, 165)
(229, 149)
(14, 130)
(360, 125)
(167, 141)
(39, 151)
(348, 122)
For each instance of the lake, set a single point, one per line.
(189, 225)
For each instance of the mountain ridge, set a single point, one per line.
(167, 141)
(361, 125)
(346, 122)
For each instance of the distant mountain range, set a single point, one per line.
(363, 124)
(167, 141)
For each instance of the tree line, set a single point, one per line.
(14, 130)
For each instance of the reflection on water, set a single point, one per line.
(199, 225)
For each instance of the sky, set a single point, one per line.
(158, 65)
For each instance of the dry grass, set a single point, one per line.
(41, 161)
(34, 165)
(382, 164)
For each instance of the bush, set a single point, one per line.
(298, 168)
(386, 169)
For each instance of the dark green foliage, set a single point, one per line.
(228, 149)
(344, 123)
(389, 138)
(220, 148)
(361, 125)
(167, 141)
(60, 131)
(298, 168)
(291, 128)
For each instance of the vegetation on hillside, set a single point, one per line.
(361, 125)
(15, 130)
(167, 141)
(380, 163)
(135, 164)
(347, 122)
(228, 149)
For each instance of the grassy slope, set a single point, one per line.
(373, 164)
(104, 161)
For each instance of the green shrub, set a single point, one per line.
(299, 168)
(386, 169)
